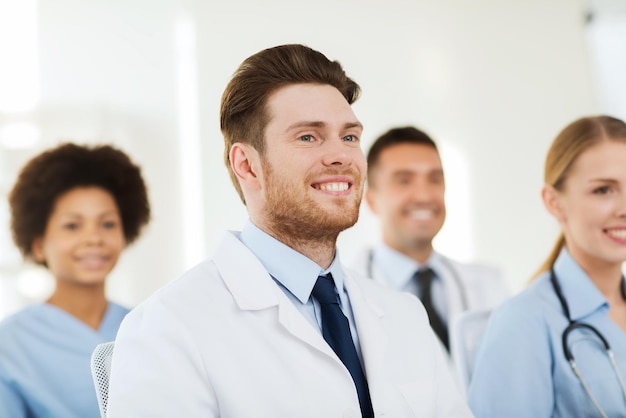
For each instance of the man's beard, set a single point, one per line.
(295, 217)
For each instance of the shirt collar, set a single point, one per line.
(582, 296)
(296, 272)
(437, 263)
(397, 268)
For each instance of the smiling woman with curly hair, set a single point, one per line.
(74, 209)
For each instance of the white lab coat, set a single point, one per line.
(224, 340)
(482, 286)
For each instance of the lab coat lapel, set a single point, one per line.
(253, 289)
(372, 337)
(368, 268)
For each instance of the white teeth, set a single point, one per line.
(617, 233)
(421, 214)
(333, 187)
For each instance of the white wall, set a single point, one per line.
(106, 72)
(492, 81)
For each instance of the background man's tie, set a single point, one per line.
(336, 332)
(424, 279)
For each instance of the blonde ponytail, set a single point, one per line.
(549, 262)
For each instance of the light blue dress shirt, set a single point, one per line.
(45, 362)
(296, 275)
(521, 370)
(398, 270)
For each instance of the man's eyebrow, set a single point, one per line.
(306, 124)
(407, 171)
(403, 172)
(353, 125)
(320, 124)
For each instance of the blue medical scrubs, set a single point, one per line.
(521, 370)
(45, 362)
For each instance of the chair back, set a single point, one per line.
(466, 332)
(100, 370)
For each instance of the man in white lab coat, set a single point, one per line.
(406, 191)
(271, 325)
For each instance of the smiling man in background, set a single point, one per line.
(406, 188)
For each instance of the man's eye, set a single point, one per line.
(307, 138)
(403, 180)
(351, 138)
(436, 180)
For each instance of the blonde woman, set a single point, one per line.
(548, 352)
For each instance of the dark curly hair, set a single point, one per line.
(55, 171)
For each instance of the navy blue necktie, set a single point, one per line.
(424, 279)
(336, 332)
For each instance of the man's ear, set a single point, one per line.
(246, 164)
(552, 201)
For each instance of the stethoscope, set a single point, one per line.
(449, 266)
(578, 325)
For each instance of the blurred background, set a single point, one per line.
(493, 81)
